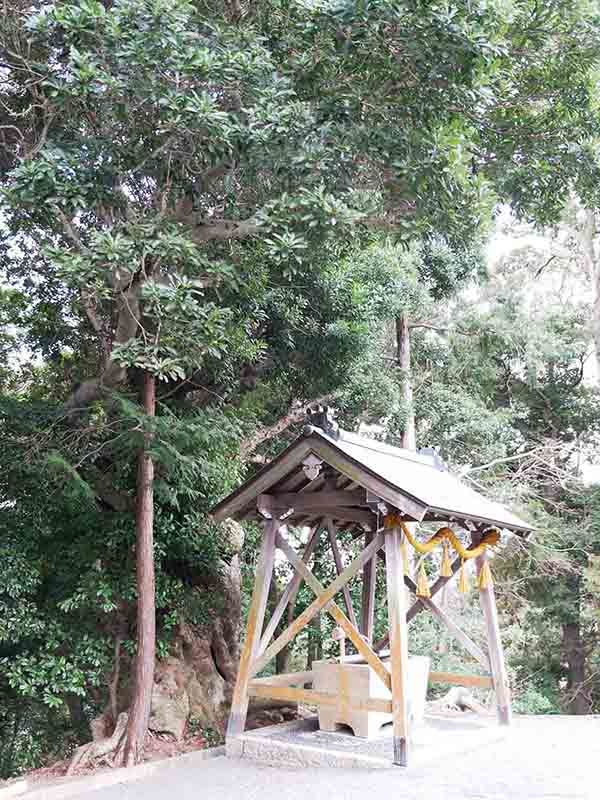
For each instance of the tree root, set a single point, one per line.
(460, 699)
(101, 749)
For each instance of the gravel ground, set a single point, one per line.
(545, 758)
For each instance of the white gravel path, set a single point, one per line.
(545, 758)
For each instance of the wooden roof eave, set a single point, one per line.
(238, 504)
(241, 504)
(451, 515)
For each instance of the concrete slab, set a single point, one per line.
(302, 744)
(543, 758)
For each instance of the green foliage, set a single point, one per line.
(60, 615)
(200, 195)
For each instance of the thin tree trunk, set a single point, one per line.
(409, 437)
(139, 713)
(587, 238)
(409, 440)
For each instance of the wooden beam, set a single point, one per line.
(369, 583)
(319, 698)
(285, 679)
(256, 615)
(487, 600)
(336, 612)
(365, 517)
(290, 591)
(267, 477)
(313, 501)
(339, 566)
(398, 643)
(458, 634)
(315, 607)
(418, 606)
(439, 584)
(455, 678)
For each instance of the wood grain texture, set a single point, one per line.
(364, 477)
(396, 594)
(284, 679)
(458, 634)
(256, 615)
(309, 501)
(339, 566)
(318, 698)
(316, 606)
(291, 590)
(487, 600)
(367, 612)
(458, 679)
(364, 649)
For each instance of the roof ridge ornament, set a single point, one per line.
(434, 454)
(322, 417)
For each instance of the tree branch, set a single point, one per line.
(439, 328)
(223, 230)
(295, 414)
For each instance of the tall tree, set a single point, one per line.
(178, 176)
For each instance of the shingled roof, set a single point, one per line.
(414, 483)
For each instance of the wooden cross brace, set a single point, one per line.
(427, 602)
(324, 600)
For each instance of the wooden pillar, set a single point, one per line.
(367, 611)
(487, 599)
(256, 615)
(396, 597)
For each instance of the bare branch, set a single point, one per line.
(440, 328)
(295, 414)
(543, 267)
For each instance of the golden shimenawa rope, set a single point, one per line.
(492, 537)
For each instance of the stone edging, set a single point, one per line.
(72, 787)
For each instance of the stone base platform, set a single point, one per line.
(302, 744)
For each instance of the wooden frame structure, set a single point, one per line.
(324, 480)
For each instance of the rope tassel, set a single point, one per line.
(422, 585)
(446, 571)
(463, 583)
(485, 580)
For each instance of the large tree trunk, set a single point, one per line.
(578, 694)
(139, 714)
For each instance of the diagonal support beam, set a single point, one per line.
(315, 607)
(487, 600)
(458, 634)
(418, 606)
(290, 591)
(256, 614)
(439, 584)
(337, 557)
(336, 612)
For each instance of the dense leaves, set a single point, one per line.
(241, 199)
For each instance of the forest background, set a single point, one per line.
(214, 213)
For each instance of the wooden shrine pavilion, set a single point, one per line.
(328, 479)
